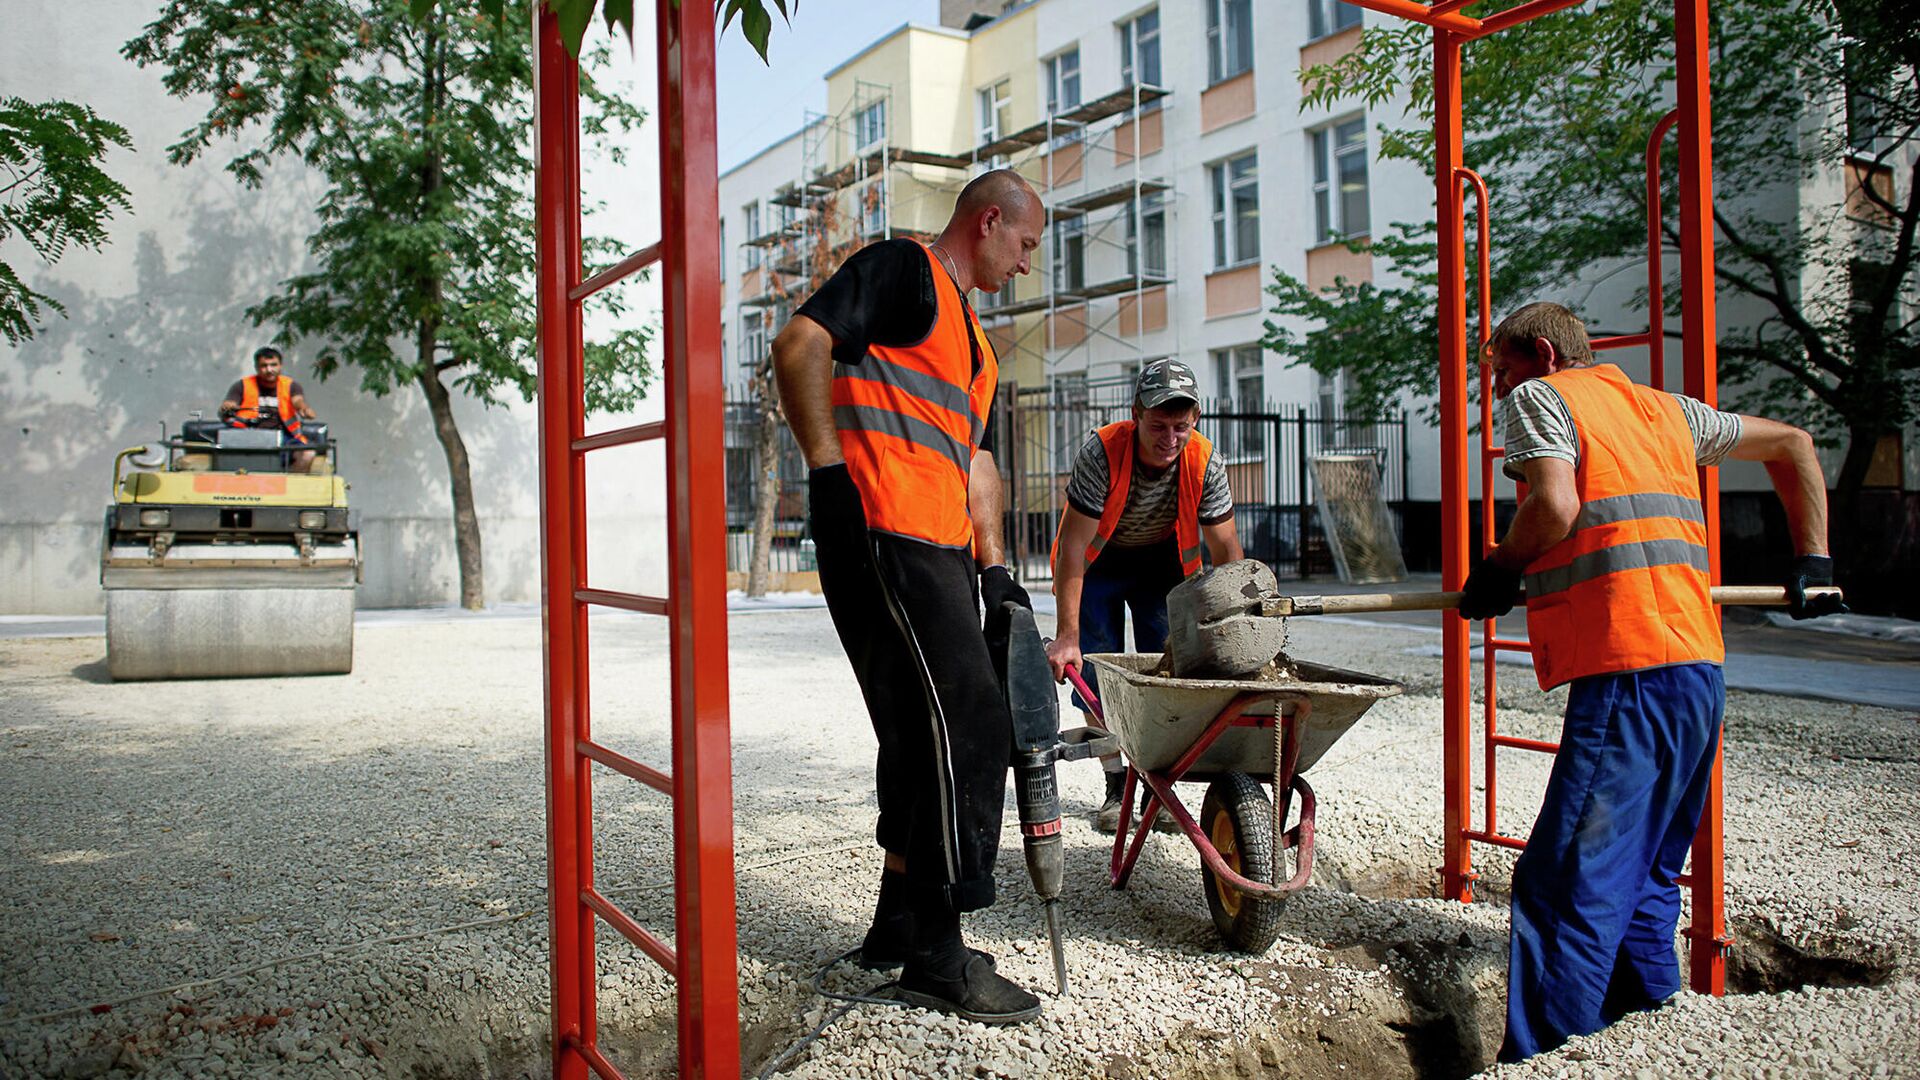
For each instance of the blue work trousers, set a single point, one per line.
(1124, 579)
(1594, 899)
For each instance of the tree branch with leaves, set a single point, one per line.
(1557, 113)
(53, 195)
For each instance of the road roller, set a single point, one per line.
(229, 551)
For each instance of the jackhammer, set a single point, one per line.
(1038, 743)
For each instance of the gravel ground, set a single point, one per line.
(344, 877)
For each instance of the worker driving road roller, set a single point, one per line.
(1610, 542)
(1144, 494)
(226, 552)
(268, 399)
(888, 383)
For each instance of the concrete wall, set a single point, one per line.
(156, 328)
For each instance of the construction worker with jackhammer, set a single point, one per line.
(888, 384)
(1610, 541)
(1144, 493)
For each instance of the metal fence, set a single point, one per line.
(1267, 450)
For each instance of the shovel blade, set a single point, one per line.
(1215, 625)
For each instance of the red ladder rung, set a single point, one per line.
(1518, 743)
(653, 429)
(1619, 341)
(626, 766)
(661, 952)
(1497, 839)
(646, 605)
(595, 1058)
(1508, 645)
(632, 264)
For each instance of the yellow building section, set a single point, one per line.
(232, 489)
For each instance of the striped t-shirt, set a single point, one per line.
(1152, 501)
(1538, 425)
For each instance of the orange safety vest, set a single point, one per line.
(250, 402)
(910, 418)
(1629, 586)
(1117, 439)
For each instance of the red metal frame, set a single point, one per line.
(1693, 119)
(703, 956)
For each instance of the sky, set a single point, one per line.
(761, 103)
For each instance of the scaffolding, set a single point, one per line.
(1098, 208)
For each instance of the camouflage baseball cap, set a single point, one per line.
(1163, 382)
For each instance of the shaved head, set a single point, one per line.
(997, 222)
(1002, 188)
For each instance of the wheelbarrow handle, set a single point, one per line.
(1357, 603)
(1087, 695)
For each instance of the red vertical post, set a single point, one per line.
(1456, 662)
(696, 545)
(562, 555)
(1699, 326)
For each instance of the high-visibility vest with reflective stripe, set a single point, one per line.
(1117, 440)
(250, 402)
(910, 419)
(1629, 587)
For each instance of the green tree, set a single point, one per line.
(423, 244)
(53, 194)
(1557, 117)
(756, 23)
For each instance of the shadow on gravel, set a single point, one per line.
(1766, 961)
(94, 672)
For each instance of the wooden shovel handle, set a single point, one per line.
(1360, 603)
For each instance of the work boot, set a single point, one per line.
(980, 993)
(887, 942)
(1107, 818)
(1162, 822)
(890, 939)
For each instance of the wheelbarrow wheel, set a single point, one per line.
(1238, 819)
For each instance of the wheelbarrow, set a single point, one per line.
(1231, 734)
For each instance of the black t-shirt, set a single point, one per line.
(883, 295)
(269, 401)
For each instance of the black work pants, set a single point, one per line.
(908, 615)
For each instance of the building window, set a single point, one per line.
(1236, 211)
(753, 338)
(870, 124)
(1340, 206)
(873, 208)
(751, 214)
(1152, 220)
(1229, 39)
(1242, 386)
(1063, 82)
(1140, 51)
(996, 108)
(723, 256)
(1069, 254)
(1330, 17)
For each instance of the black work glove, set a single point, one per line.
(834, 512)
(1490, 591)
(1809, 571)
(997, 587)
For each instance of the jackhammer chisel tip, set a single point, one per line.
(1059, 947)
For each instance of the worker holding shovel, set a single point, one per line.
(1145, 493)
(1610, 541)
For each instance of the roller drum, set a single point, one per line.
(228, 633)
